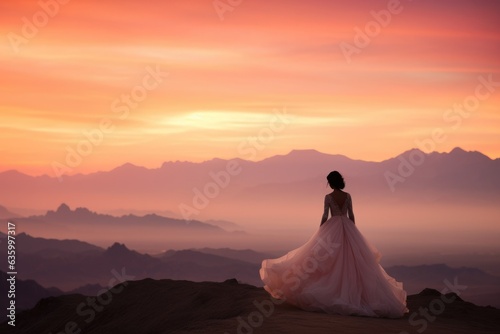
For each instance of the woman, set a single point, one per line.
(336, 271)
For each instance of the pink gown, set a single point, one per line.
(337, 271)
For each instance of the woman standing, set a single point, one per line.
(337, 271)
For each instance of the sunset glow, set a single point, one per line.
(181, 80)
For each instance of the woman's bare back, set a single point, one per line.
(340, 197)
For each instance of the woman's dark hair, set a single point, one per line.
(335, 180)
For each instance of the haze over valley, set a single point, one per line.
(444, 211)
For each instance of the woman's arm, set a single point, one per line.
(350, 211)
(325, 211)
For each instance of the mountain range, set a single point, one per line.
(169, 306)
(407, 201)
(28, 292)
(71, 264)
(146, 230)
(75, 266)
(6, 214)
(296, 175)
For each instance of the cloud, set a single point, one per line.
(226, 76)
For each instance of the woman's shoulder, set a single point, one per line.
(346, 194)
(330, 195)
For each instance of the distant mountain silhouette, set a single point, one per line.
(70, 269)
(438, 272)
(226, 225)
(166, 187)
(6, 214)
(274, 193)
(136, 212)
(64, 214)
(482, 288)
(167, 306)
(74, 270)
(27, 294)
(52, 247)
(88, 225)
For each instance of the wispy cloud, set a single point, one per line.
(225, 77)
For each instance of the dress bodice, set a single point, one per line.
(335, 209)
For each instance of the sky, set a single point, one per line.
(90, 85)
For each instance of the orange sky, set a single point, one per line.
(228, 78)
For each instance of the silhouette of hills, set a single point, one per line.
(438, 272)
(274, 193)
(27, 293)
(168, 306)
(64, 214)
(173, 183)
(482, 288)
(150, 230)
(69, 270)
(226, 225)
(52, 265)
(6, 214)
(52, 247)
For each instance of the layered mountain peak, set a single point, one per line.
(118, 249)
(470, 155)
(63, 209)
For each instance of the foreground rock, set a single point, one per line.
(166, 306)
